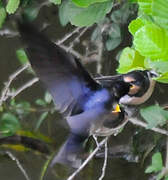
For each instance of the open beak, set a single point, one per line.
(117, 109)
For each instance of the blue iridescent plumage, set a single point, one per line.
(83, 101)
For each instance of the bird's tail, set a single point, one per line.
(69, 153)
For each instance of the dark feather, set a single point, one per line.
(62, 74)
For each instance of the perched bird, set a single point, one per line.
(142, 85)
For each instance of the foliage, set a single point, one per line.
(157, 166)
(21, 55)
(12, 6)
(150, 37)
(9, 124)
(154, 115)
(2, 14)
(12, 114)
(157, 163)
(130, 59)
(86, 16)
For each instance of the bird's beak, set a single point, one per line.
(117, 109)
(153, 74)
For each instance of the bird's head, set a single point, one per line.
(141, 88)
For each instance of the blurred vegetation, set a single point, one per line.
(148, 51)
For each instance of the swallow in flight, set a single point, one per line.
(84, 102)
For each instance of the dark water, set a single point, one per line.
(117, 169)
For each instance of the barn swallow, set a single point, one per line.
(142, 85)
(85, 103)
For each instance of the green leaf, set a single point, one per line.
(12, 6)
(160, 8)
(86, 3)
(152, 41)
(163, 78)
(41, 119)
(114, 38)
(145, 6)
(23, 108)
(156, 165)
(96, 34)
(166, 178)
(9, 124)
(135, 25)
(154, 115)
(21, 55)
(40, 102)
(55, 1)
(130, 60)
(2, 15)
(112, 43)
(121, 15)
(88, 16)
(63, 13)
(31, 12)
(158, 66)
(48, 98)
(160, 12)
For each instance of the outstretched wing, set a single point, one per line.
(62, 74)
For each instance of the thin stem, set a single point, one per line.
(105, 161)
(88, 159)
(76, 30)
(5, 91)
(25, 86)
(145, 125)
(18, 164)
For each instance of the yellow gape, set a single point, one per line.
(117, 109)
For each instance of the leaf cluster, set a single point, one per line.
(150, 40)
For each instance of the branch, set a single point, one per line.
(145, 125)
(22, 88)
(77, 38)
(18, 164)
(88, 159)
(76, 30)
(12, 77)
(105, 161)
(99, 61)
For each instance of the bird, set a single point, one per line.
(88, 105)
(142, 85)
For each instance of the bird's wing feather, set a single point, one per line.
(62, 74)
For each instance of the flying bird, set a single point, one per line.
(87, 104)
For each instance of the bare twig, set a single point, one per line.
(18, 164)
(95, 138)
(77, 38)
(5, 91)
(76, 30)
(73, 52)
(145, 125)
(25, 86)
(88, 159)
(99, 61)
(166, 160)
(105, 160)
